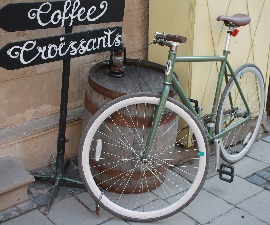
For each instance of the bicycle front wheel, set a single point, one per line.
(111, 162)
(232, 111)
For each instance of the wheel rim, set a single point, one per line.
(147, 209)
(236, 143)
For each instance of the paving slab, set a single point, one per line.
(172, 185)
(126, 200)
(89, 203)
(260, 151)
(28, 205)
(234, 192)
(9, 213)
(255, 179)
(258, 206)
(211, 170)
(206, 206)
(237, 217)
(215, 204)
(70, 211)
(177, 219)
(247, 166)
(266, 139)
(115, 221)
(33, 217)
(264, 174)
(267, 187)
(212, 166)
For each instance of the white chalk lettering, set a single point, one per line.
(56, 17)
(36, 14)
(72, 10)
(18, 52)
(65, 12)
(93, 41)
(42, 51)
(30, 50)
(103, 40)
(74, 49)
(52, 51)
(72, 15)
(82, 47)
(80, 13)
(117, 40)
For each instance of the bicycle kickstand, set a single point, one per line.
(223, 169)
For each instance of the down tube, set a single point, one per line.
(181, 93)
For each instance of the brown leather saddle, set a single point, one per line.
(235, 20)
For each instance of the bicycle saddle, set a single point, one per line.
(237, 19)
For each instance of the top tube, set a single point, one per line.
(200, 58)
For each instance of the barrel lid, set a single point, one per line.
(140, 76)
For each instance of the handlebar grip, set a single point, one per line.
(176, 38)
(170, 37)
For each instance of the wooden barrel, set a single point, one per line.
(139, 77)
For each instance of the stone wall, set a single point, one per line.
(30, 97)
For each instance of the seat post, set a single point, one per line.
(229, 34)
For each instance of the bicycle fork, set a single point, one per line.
(157, 117)
(164, 96)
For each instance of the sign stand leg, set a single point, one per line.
(59, 179)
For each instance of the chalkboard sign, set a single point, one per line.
(69, 13)
(42, 15)
(33, 52)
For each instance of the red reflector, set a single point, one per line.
(235, 32)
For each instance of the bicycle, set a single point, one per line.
(162, 144)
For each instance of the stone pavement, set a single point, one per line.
(246, 201)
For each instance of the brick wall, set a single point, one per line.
(30, 97)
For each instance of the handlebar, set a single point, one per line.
(162, 38)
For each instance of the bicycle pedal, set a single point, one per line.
(226, 170)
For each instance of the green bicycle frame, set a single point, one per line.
(223, 73)
(171, 80)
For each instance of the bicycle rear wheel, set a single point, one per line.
(111, 162)
(232, 110)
